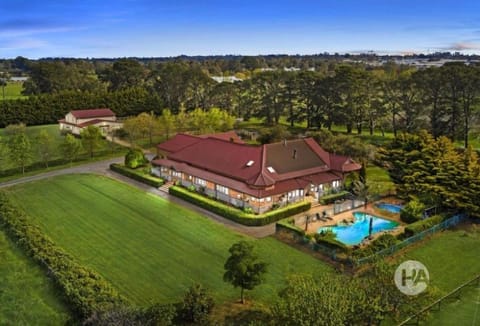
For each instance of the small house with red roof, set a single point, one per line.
(76, 120)
(259, 177)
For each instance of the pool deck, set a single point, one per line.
(313, 226)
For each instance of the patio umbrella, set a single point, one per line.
(370, 227)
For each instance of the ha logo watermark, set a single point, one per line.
(411, 277)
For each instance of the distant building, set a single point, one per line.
(77, 120)
(226, 79)
(257, 177)
(18, 79)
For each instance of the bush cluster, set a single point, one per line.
(412, 211)
(135, 158)
(85, 291)
(236, 214)
(329, 240)
(137, 175)
(422, 225)
(330, 199)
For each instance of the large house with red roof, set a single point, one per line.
(259, 177)
(76, 120)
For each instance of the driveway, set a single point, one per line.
(102, 168)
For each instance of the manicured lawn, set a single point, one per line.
(27, 296)
(379, 181)
(451, 257)
(13, 91)
(32, 133)
(149, 248)
(464, 311)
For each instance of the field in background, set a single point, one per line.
(53, 130)
(149, 248)
(27, 295)
(13, 91)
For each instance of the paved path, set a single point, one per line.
(102, 168)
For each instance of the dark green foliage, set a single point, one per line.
(422, 225)
(85, 290)
(242, 268)
(434, 171)
(285, 224)
(236, 214)
(91, 138)
(197, 305)
(137, 175)
(413, 211)
(329, 240)
(48, 108)
(330, 199)
(135, 158)
(156, 315)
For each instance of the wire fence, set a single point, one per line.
(416, 318)
(340, 256)
(452, 221)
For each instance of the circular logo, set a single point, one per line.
(411, 277)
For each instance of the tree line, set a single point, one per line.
(392, 98)
(20, 149)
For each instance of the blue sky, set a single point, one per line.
(144, 28)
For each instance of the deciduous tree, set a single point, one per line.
(70, 147)
(243, 269)
(91, 138)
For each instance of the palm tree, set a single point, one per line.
(361, 190)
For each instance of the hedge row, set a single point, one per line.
(236, 214)
(422, 225)
(285, 225)
(85, 291)
(137, 175)
(330, 199)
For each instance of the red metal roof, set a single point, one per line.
(178, 142)
(228, 136)
(222, 157)
(92, 113)
(343, 163)
(225, 162)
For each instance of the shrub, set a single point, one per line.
(412, 211)
(197, 305)
(135, 158)
(86, 291)
(384, 241)
(288, 224)
(137, 175)
(329, 240)
(330, 199)
(422, 225)
(235, 214)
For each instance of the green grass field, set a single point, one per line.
(379, 181)
(149, 248)
(452, 259)
(27, 296)
(53, 130)
(13, 91)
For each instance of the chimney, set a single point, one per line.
(294, 154)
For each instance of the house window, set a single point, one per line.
(262, 200)
(268, 199)
(222, 189)
(177, 174)
(200, 182)
(336, 184)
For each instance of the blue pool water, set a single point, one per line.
(390, 207)
(354, 233)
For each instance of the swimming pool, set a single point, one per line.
(354, 233)
(392, 208)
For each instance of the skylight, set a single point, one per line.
(271, 169)
(250, 163)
